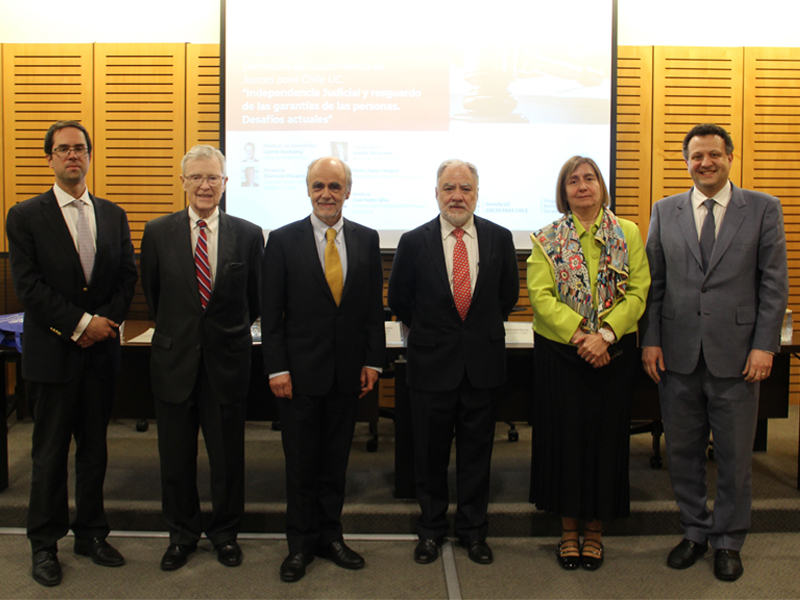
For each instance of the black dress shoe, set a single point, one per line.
(176, 555)
(101, 551)
(427, 551)
(229, 553)
(46, 568)
(293, 567)
(343, 556)
(685, 554)
(727, 565)
(478, 551)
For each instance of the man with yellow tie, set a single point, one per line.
(324, 346)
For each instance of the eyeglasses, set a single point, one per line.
(63, 151)
(197, 180)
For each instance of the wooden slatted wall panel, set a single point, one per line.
(634, 134)
(771, 149)
(690, 86)
(42, 83)
(140, 100)
(202, 95)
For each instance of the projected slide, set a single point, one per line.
(515, 88)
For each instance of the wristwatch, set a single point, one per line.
(608, 335)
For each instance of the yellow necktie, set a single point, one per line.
(333, 266)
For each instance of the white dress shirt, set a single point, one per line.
(721, 199)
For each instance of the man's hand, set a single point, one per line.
(758, 366)
(653, 361)
(368, 379)
(281, 386)
(594, 350)
(99, 329)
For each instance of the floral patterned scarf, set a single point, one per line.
(561, 245)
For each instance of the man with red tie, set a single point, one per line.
(201, 275)
(454, 281)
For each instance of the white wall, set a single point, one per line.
(60, 21)
(641, 22)
(695, 23)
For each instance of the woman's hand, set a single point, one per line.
(579, 335)
(594, 350)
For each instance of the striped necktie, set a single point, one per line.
(201, 265)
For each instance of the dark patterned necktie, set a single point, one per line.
(708, 234)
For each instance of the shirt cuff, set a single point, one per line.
(273, 375)
(82, 325)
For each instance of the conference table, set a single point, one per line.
(134, 400)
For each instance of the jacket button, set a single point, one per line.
(698, 313)
(85, 289)
(703, 290)
(197, 347)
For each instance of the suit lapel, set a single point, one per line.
(353, 244)
(102, 227)
(435, 247)
(182, 240)
(226, 239)
(55, 218)
(485, 241)
(307, 244)
(731, 222)
(688, 227)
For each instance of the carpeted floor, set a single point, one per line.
(523, 539)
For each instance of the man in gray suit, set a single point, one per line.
(201, 275)
(719, 291)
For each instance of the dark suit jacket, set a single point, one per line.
(303, 331)
(737, 305)
(50, 284)
(185, 332)
(442, 347)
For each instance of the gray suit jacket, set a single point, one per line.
(185, 333)
(737, 305)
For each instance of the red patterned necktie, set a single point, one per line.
(462, 290)
(201, 265)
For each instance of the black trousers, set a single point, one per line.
(223, 433)
(317, 433)
(80, 408)
(468, 414)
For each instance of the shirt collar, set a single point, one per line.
(321, 228)
(448, 228)
(211, 222)
(65, 198)
(722, 197)
(579, 228)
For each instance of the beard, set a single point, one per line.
(457, 219)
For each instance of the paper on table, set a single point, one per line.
(143, 338)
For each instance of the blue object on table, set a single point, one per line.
(11, 328)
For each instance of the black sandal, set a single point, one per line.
(592, 553)
(568, 552)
